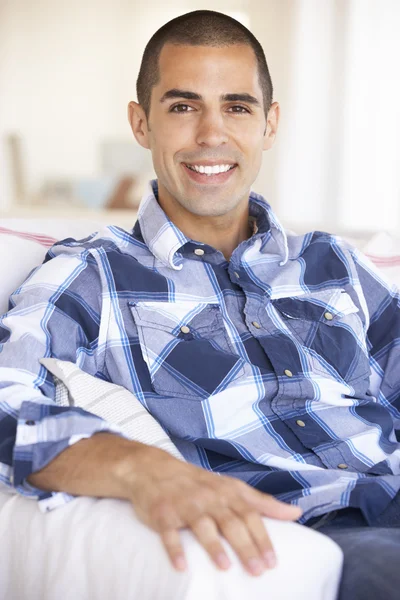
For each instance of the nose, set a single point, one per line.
(211, 129)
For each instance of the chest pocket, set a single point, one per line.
(186, 348)
(328, 324)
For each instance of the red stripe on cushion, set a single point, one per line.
(43, 240)
(385, 261)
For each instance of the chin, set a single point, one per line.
(216, 210)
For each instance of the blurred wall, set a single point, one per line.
(68, 70)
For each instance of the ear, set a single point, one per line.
(138, 122)
(272, 126)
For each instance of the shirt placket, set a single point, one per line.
(293, 388)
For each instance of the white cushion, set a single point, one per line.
(383, 249)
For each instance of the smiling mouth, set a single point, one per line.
(209, 170)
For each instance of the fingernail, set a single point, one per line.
(223, 561)
(270, 559)
(255, 566)
(180, 563)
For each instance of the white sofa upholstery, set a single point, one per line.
(96, 549)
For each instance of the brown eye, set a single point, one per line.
(239, 109)
(181, 108)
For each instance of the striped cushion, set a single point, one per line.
(111, 402)
(38, 238)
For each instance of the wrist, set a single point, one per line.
(130, 465)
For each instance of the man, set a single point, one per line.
(267, 358)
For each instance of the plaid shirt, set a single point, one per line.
(279, 367)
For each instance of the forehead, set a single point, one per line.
(199, 68)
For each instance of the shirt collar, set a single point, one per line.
(164, 239)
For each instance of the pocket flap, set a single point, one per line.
(171, 316)
(325, 305)
(186, 348)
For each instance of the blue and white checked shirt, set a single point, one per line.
(280, 367)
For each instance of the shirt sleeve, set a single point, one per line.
(56, 312)
(380, 302)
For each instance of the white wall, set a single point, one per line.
(306, 159)
(70, 70)
(335, 64)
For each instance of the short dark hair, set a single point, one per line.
(199, 28)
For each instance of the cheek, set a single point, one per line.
(175, 129)
(250, 138)
(169, 142)
(160, 148)
(256, 135)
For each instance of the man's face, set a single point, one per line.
(206, 116)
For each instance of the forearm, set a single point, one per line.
(96, 466)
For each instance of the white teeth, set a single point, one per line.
(208, 170)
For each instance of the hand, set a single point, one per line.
(169, 495)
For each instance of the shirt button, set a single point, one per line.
(30, 423)
(256, 325)
(343, 466)
(300, 423)
(328, 316)
(288, 373)
(185, 329)
(237, 274)
(199, 251)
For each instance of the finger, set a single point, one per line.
(206, 532)
(237, 535)
(163, 516)
(173, 545)
(269, 506)
(258, 532)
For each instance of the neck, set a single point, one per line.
(224, 233)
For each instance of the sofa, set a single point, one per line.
(97, 548)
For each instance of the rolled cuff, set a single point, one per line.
(43, 432)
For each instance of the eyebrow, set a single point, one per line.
(187, 95)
